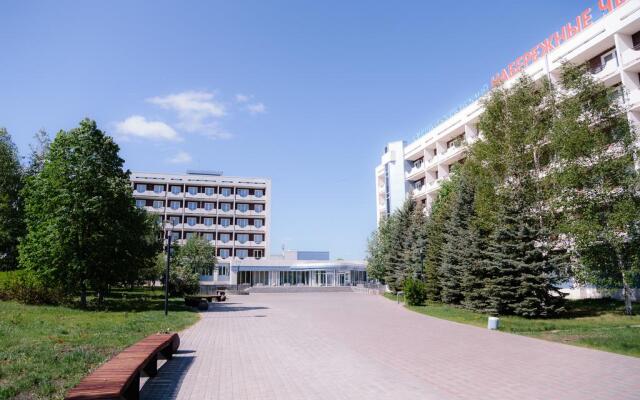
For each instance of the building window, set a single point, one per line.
(226, 192)
(192, 205)
(208, 206)
(258, 208)
(223, 270)
(208, 221)
(176, 189)
(257, 223)
(209, 191)
(158, 203)
(208, 237)
(258, 253)
(243, 238)
(242, 222)
(141, 188)
(258, 193)
(188, 235)
(140, 203)
(191, 221)
(174, 220)
(175, 236)
(257, 238)
(243, 192)
(225, 237)
(243, 207)
(158, 188)
(242, 253)
(175, 205)
(225, 221)
(224, 253)
(225, 206)
(435, 151)
(193, 190)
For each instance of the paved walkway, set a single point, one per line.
(358, 346)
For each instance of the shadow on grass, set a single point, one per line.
(134, 300)
(593, 308)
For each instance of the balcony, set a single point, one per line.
(221, 243)
(149, 193)
(633, 100)
(453, 151)
(416, 172)
(225, 213)
(607, 73)
(202, 196)
(631, 58)
(151, 209)
(178, 195)
(419, 191)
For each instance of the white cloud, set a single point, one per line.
(257, 108)
(181, 158)
(139, 126)
(242, 98)
(197, 112)
(191, 104)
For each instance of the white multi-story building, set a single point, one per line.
(605, 37)
(231, 213)
(234, 215)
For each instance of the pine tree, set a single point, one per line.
(458, 243)
(399, 245)
(522, 274)
(477, 276)
(417, 245)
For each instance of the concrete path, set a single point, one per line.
(358, 346)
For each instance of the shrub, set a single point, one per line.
(24, 287)
(183, 280)
(415, 292)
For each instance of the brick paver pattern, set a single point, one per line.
(359, 346)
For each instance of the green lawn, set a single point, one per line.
(598, 324)
(45, 350)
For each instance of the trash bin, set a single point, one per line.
(494, 323)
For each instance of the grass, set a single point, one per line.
(595, 323)
(45, 350)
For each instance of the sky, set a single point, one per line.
(306, 93)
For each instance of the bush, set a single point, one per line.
(183, 280)
(24, 287)
(415, 292)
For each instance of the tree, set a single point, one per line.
(192, 259)
(597, 196)
(84, 231)
(377, 251)
(399, 243)
(440, 213)
(456, 256)
(415, 249)
(522, 272)
(39, 152)
(11, 218)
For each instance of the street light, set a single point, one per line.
(166, 276)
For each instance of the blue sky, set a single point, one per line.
(304, 92)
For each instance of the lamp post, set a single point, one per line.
(166, 276)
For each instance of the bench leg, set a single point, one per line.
(133, 391)
(151, 369)
(167, 352)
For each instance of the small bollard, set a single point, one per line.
(494, 323)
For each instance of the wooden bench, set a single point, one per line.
(195, 299)
(119, 378)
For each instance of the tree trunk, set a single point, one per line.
(83, 296)
(626, 289)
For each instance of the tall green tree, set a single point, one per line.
(458, 241)
(596, 187)
(11, 218)
(39, 150)
(84, 231)
(440, 214)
